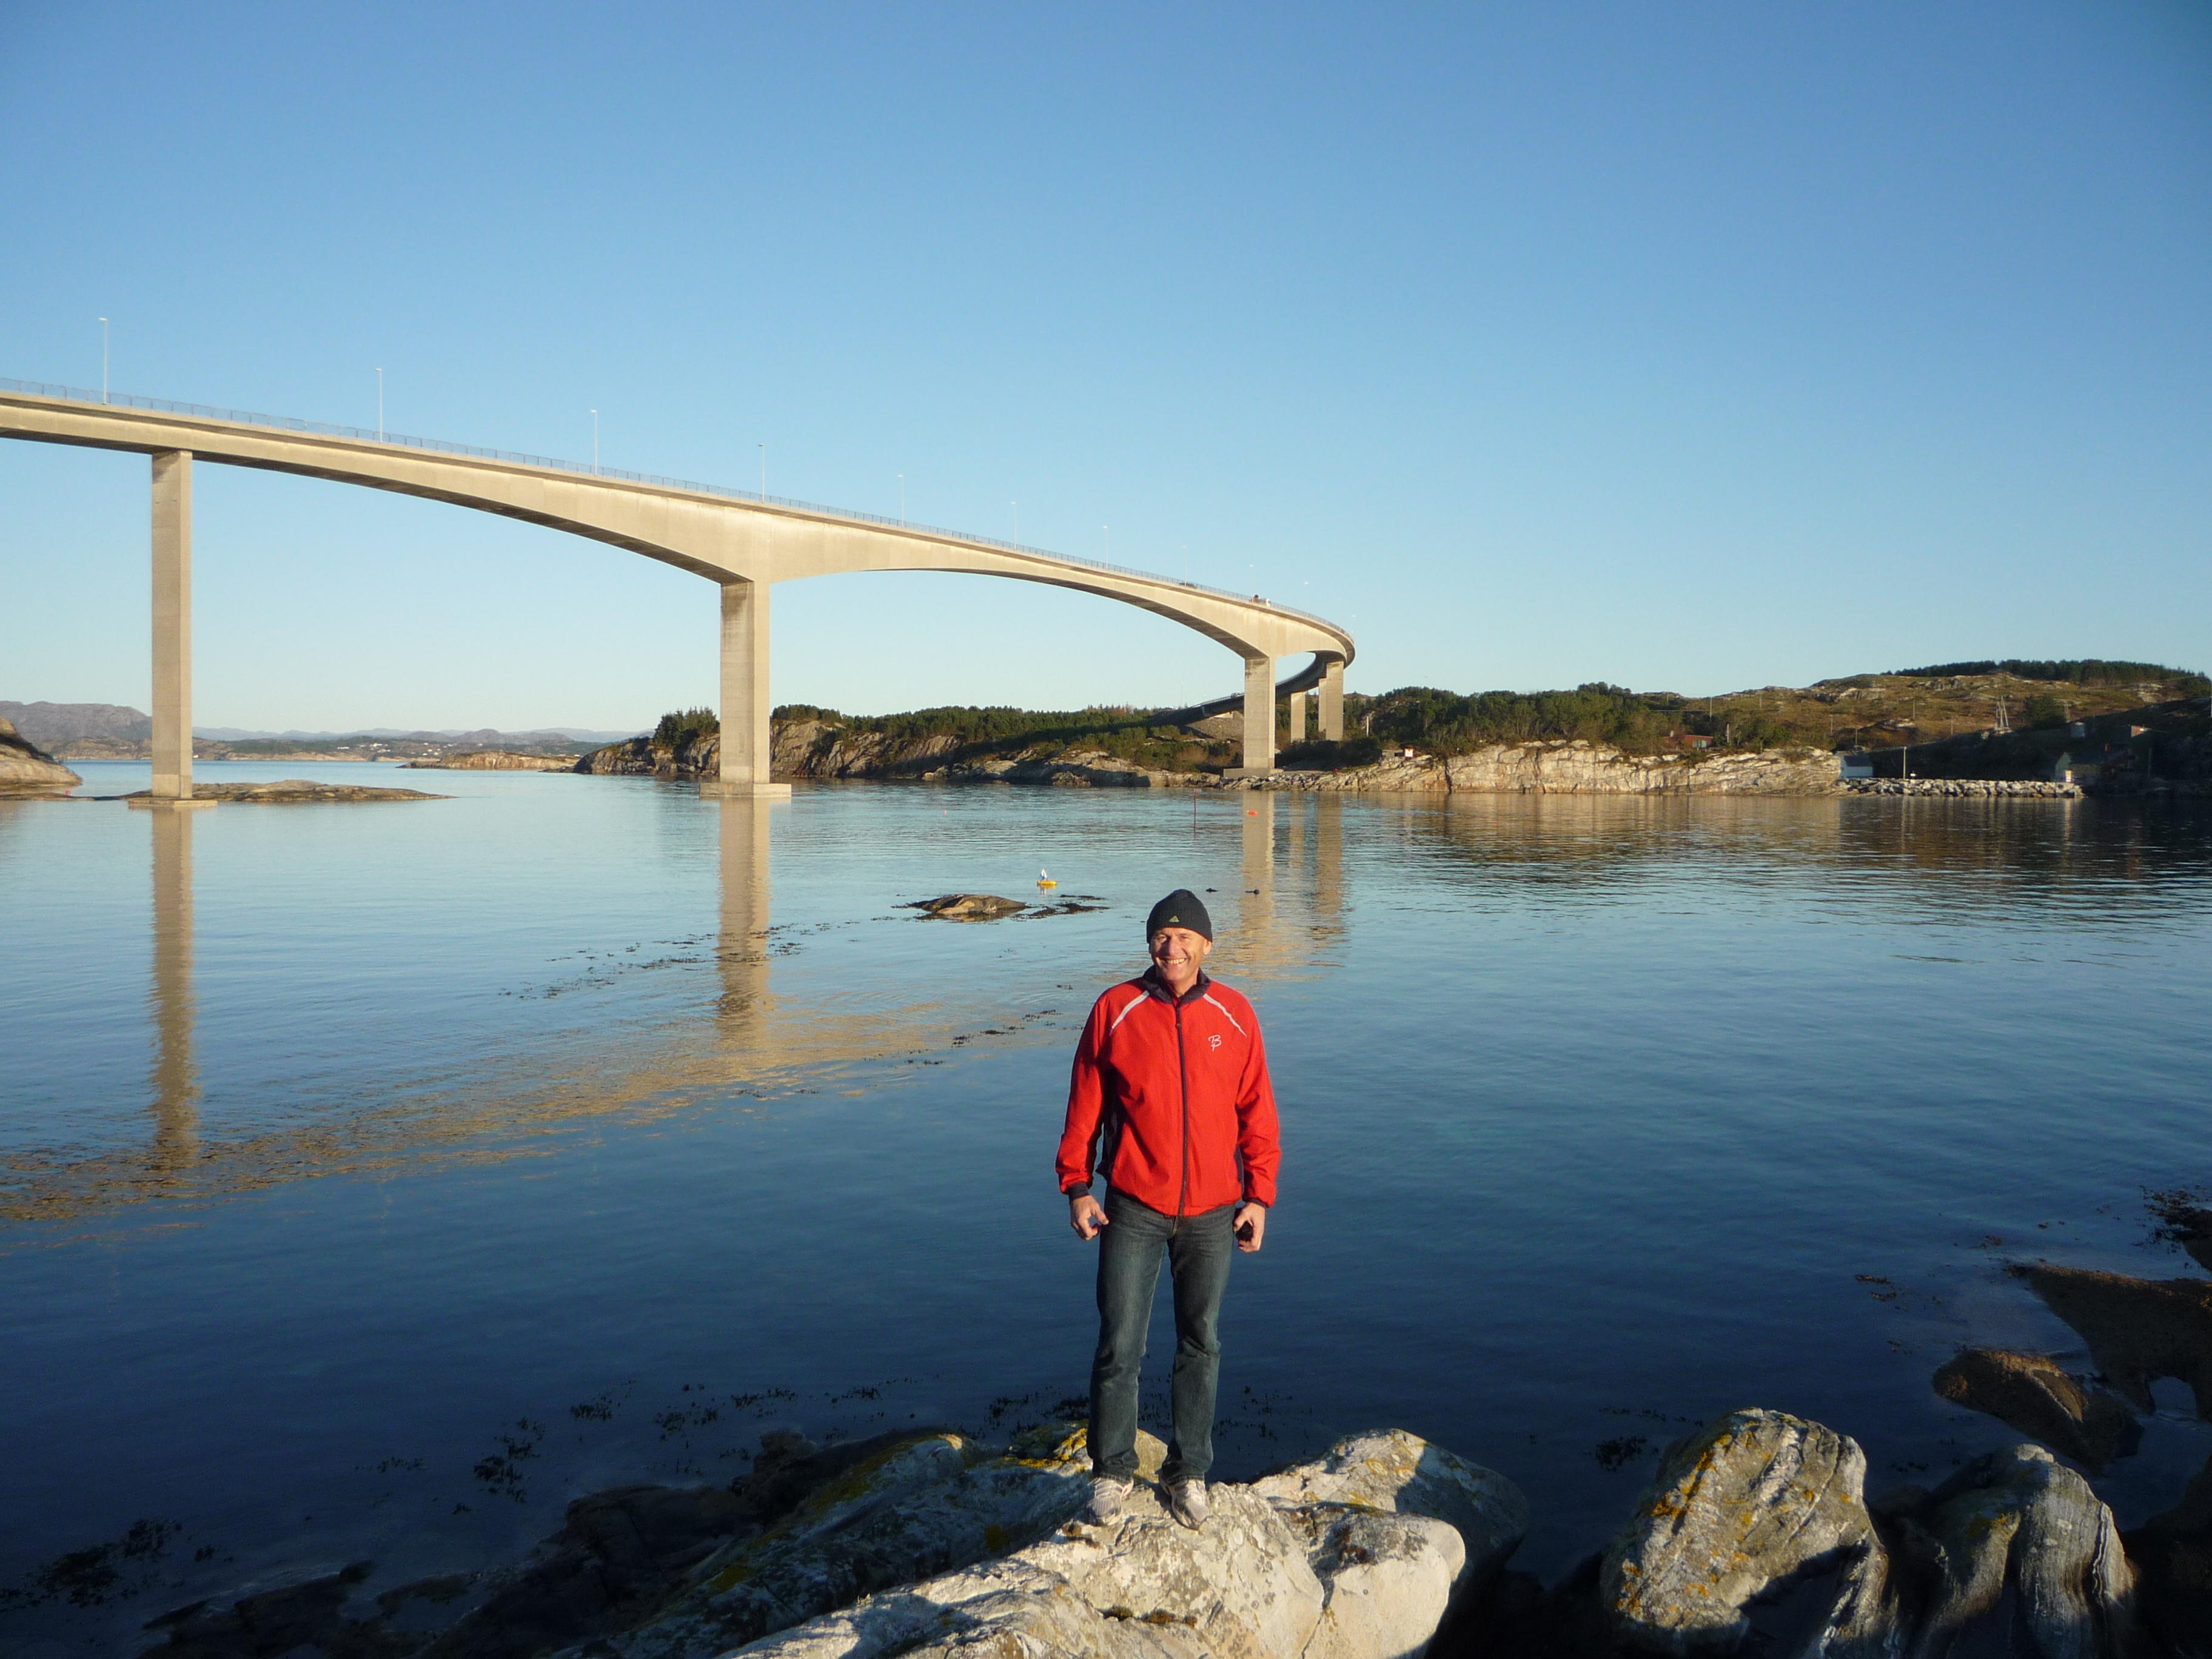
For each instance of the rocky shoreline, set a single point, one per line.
(810, 749)
(1755, 1537)
(493, 760)
(27, 770)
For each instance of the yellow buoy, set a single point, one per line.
(1044, 879)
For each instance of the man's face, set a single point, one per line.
(1178, 952)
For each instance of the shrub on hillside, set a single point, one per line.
(679, 728)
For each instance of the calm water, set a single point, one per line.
(346, 1151)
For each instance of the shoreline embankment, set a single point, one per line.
(811, 750)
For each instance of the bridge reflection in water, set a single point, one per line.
(1282, 925)
(176, 1085)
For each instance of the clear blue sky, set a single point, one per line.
(1687, 346)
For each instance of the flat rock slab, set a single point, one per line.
(294, 789)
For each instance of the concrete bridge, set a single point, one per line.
(742, 542)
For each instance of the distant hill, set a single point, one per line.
(52, 726)
(101, 730)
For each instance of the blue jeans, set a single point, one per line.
(1130, 1249)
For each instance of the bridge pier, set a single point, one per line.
(173, 626)
(744, 742)
(1298, 717)
(1332, 700)
(1259, 719)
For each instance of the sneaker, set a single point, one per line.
(1187, 1502)
(1108, 1494)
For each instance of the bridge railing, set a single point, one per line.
(360, 434)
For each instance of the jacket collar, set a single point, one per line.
(1157, 989)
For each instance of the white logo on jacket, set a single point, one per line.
(1214, 1041)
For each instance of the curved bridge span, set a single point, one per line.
(743, 543)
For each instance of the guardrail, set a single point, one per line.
(358, 434)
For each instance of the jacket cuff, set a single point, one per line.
(1264, 1203)
(1076, 1189)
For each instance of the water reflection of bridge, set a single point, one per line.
(1282, 927)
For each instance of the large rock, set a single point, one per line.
(1329, 1560)
(1388, 1580)
(1756, 1537)
(2138, 1330)
(2031, 1393)
(1756, 1501)
(2171, 1556)
(2024, 1560)
(27, 770)
(919, 1508)
(1392, 1470)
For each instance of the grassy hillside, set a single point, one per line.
(1862, 711)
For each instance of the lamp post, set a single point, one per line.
(1017, 505)
(103, 360)
(901, 478)
(595, 443)
(764, 459)
(379, 405)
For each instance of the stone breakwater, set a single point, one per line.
(1967, 788)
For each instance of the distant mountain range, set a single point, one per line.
(57, 726)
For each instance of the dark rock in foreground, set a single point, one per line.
(2138, 1330)
(1756, 1537)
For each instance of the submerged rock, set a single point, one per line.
(2031, 1393)
(294, 789)
(2138, 1330)
(968, 907)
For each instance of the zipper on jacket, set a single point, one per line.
(1182, 1067)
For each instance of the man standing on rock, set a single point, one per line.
(1171, 1076)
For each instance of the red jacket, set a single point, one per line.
(1180, 1093)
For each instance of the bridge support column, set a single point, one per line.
(745, 740)
(1259, 719)
(1332, 702)
(172, 625)
(1298, 717)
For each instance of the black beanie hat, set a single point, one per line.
(1181, 908)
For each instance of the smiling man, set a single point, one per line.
(1170, 1102)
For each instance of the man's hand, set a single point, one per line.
(1086, 1215)
(1251, 1226)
